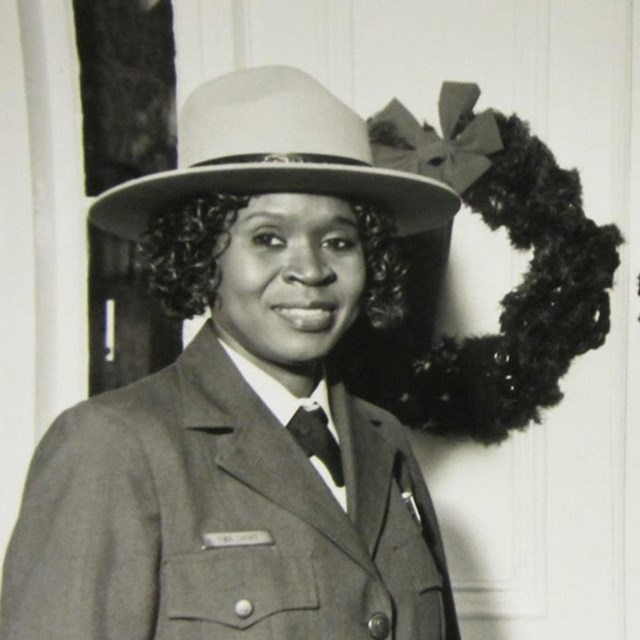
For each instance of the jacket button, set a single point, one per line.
(379, 626)
(243, 608)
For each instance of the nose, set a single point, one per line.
(306, 264)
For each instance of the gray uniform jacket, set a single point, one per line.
(126, 489)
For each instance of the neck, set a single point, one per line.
(300, 383)
(299, 379)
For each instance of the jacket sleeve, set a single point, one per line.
(431, 533)
(82, 563)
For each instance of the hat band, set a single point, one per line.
(284, 158)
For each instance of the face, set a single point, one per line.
(293, 277)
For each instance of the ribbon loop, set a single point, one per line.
(459, 157)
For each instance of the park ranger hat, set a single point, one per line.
(273, 129)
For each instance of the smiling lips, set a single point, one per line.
(312, 318)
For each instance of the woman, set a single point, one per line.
(243, 492)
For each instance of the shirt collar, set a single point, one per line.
(280, 401)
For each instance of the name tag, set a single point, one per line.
(236, 539)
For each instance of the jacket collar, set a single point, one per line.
(213, 391)
(261, 454)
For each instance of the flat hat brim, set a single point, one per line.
(418, 203)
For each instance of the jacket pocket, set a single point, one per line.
(238, 587)
(420, 564)
(426, 621)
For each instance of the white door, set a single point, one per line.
(534, 527)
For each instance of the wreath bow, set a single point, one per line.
(459, 157)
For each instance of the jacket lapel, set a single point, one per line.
(368, 459)
(260, 453)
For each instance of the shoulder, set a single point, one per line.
(114, 423)
(155, 396)
(384, 421)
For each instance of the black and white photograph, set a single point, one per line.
(321, 320)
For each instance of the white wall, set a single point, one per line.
(17, 276)
(541, 531)
(43, 262)
(632, 480)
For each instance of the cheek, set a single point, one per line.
(242, 275)
(354, 278)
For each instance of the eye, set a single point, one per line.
(268, 239)
(340, 243)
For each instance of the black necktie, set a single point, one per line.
(309, 428)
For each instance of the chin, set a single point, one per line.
(307, 350)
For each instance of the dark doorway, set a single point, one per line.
(126, 53)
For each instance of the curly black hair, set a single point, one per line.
(181, 246)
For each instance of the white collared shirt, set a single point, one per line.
(283, 404)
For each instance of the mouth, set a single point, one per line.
(311, 318)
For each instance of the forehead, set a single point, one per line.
(298, 208)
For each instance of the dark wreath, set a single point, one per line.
(483, 387)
